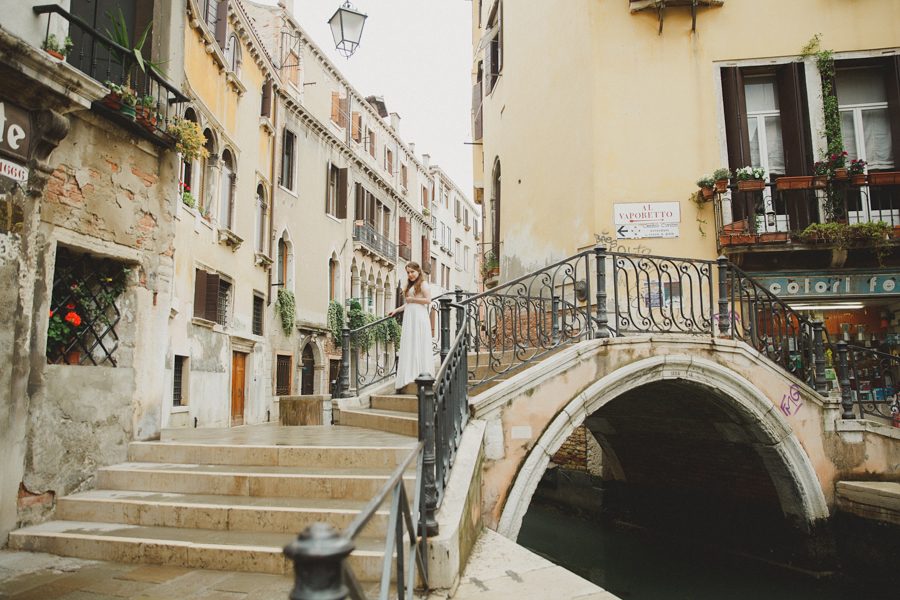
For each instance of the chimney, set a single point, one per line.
(426, 161)
(395, 123)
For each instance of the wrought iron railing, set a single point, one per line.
(405, 252)
(95, 55)
(866, 379)
(365, 233)
(321, 569)
(787, 206)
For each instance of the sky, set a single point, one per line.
(417, 55)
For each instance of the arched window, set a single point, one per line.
(189, 195)
(285, 262)
(261, 224)
(226, 190)
(233, 55)
(206, 184)
(332, 280)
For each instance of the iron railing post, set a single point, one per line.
(445, 327)
(554, 320)
(724, 313)
(846, 394)
(318, 554)
(602, 318)
(344, 382)
(819, 351)
(425, 386)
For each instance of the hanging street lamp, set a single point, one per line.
(346, 27)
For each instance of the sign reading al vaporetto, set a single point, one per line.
(642, 220)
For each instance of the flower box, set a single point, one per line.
(707, 193)
(858, 179)
(841, 173)
(889, 178)
(721, 186)
(793, 183)
(751, 185)
(819, 181)
(734, 239)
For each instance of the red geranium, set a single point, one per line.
(74, 319)
(70, 306)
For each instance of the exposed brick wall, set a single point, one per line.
(573, 453)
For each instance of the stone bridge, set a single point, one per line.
(707, 415)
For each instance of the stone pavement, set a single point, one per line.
(39, 576)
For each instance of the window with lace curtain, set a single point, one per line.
(865, 121)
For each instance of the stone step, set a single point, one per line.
(396, 402)
(391, 421)
(252, 552)
(275, 456)
(203, 511)
(248, 480)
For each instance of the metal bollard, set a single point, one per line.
(318, 554)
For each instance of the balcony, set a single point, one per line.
(758, 228)
(405, 252)
(98, 57)
(372, 240)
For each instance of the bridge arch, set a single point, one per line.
(793, 476)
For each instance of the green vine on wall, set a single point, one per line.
(286, 306)
(385, 332)
(335, 320)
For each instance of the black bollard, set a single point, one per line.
(318, 554)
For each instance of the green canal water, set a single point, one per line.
(636, 565)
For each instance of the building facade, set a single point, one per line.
(614, 112)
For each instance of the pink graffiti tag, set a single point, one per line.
(790, 403)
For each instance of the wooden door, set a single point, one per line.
(309, 366)
(238, 364)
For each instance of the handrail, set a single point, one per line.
(321, 569)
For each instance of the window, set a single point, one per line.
(282, 262)
(445, 196)
(292, 68)
(466, 217)
(457, 212)
(372, 143)
(265, 109)
(226, 191)
(212, 297)
(336, 192)
(287, 160)
(339, 109)
(233, 55)
(434, 229)
(207, 172)
(403, 181)
(333, 282)
(492, 42)
(456, 251)
(424, 196)
(356, 125)
(261, 227)
(389, 161)
(764, 124)
(258, 312)
(284, 372)
(434, 270)
(465, 263)
(178, 398)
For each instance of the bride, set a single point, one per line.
(415, 339)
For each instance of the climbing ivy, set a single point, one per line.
(385, 332)
(286, 306)
(335, 320)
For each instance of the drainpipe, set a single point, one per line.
(274, 182)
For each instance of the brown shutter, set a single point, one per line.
(211, 310)
(426, 250)
(343, 106)
(892, 82)
(222, 23)
(343, 182)
(403, 231)
(796, 139)
(360, 203)
(200, 294)
(327, 184)
(266, 109)
(335, 107)
(736, 131)
(370, 209)
(355, 122)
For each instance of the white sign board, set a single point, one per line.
(13, 171)
(647, 212)
(639, 231)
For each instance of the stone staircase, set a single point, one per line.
(228, 499)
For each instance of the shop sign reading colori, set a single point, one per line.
(818, 285)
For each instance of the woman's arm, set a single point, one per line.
(396, 310)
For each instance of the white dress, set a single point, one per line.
(415, 344)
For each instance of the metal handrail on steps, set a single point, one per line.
(321, 569)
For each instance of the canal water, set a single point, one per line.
(634, 564)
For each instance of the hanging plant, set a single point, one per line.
(335, 320)
(285, 305)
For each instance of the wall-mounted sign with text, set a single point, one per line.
(812, 285)
(642, 220)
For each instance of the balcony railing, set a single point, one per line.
(785, 208)
(365, 233)
(97, 56)
(405, 252)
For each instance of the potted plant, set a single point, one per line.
(146, 109)
(476, 237)
(837, 164)
(186, 197)
(857, 172)
(489, 265)
(707, 187)
(750, 179)
(820, 174)
(55, 49)
(128, 61)
(721, 177)
(426, 212)
(61, 332)
(468, 227)
(189, 140)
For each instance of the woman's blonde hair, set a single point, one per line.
(415, 285)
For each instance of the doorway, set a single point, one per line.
(308, 369)
(238, 368)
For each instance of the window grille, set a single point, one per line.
(12, 217)
(222, 314)
(283, 376)
(84, 311)
(176, 387)
(257, 315)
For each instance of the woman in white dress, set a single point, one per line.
(415, 340)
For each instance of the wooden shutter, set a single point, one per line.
(200, 294)
(211, 12)
(488, 68)
(343, 107)
(343, 182)
(360, 214)
(892, 83)
(211, 309)
(796, 140)
(736, 132)
(477, 103)
(266, 109)
(500, 37)
(370, 209)
(328, 207)
(355, 123)
(335, 106)
(222, 23)
(426, 250)
(404, 230)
